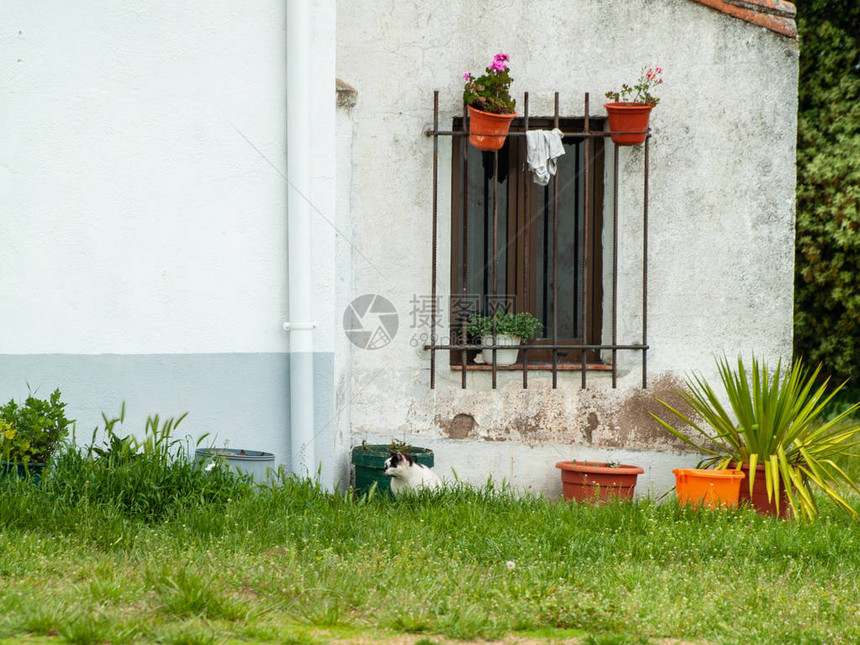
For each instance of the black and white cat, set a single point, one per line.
(407, 474)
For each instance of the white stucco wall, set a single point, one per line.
(721, 205)
(139, 212)
(144, 254)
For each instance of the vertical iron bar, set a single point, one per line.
(526, 238)
(435, 222)
(495, 254)
(464, 151)
(645, 270)
(586, 207)
(555, 265)
(525, 369)
(615, 268)
(581, 255)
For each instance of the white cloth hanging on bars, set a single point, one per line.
(543, 147)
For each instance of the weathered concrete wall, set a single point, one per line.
(721, 208)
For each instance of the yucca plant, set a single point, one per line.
(775, 419)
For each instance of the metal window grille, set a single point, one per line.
(556, 346)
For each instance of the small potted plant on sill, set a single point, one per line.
(30, 433)
(630, 108)
(506, 330)
(773, 431)
(597, 481)
(491, 108)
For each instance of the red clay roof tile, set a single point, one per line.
(776, 15)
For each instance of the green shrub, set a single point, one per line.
(30, 433)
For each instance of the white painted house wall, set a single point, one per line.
(721, 215)
(142, 182)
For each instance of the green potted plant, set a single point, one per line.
(31, 432)
(597, 481)
(773, 429)
(491, 108)
(506, 330)
(369, 462)
(630, 108)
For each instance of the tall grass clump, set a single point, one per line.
(144, 479)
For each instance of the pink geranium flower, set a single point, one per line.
(490, 92)
(641, 92)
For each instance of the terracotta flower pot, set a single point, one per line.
(758, 499)
(488, 131)
(631, 118)
(597, 481)
(710, 488)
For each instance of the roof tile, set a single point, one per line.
(776, 15)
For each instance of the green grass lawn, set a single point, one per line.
(298, 565)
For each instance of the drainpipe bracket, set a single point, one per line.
(299, 326)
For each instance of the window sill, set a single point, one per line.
(534, 367)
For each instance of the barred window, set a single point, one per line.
(520, 247)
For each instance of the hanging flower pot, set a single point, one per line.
(491, 107)
(597, 481)
(630, 119)
(706, 487)
(488, 131)
(630, 108)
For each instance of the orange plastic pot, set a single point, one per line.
(710, 488)
(596, 481)
(488, 131)
(630, 119)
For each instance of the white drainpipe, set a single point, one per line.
(300, 277)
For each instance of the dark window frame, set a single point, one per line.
(521, 258)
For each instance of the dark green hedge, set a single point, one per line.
(827, 272)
